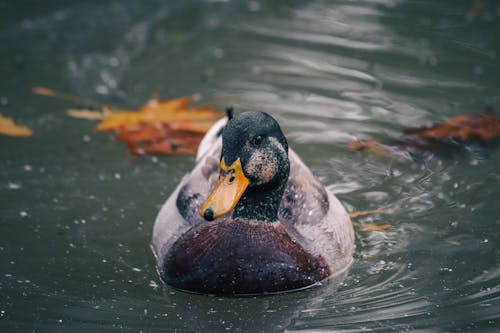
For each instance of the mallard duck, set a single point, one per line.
(250, 218)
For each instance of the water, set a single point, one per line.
(77, 211)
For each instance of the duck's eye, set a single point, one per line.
(256, 141)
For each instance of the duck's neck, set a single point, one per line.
(260, 203)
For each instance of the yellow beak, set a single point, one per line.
(230, 187)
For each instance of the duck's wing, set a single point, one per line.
(315, 217)
(212, 138)
(305, 200)
(181, 210)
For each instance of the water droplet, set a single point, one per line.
(13, 186)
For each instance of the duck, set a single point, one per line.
(250, 218)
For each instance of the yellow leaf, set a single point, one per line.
(156, 105)
(373, 227)
(174, 112)
(86, 114)
(454, 242)
(8, 127)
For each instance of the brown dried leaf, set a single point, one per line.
(373, 227)
(373, 146)
(484, 127)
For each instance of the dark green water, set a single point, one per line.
(77, 211)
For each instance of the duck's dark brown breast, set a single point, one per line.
(240, 257)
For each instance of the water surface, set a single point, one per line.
(77, 211)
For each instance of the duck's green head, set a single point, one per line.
(254, 169)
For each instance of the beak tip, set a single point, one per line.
(208, 214)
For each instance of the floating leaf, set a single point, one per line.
(174, 112)
(44, 91)
(8, 127)
(159, 127)
(483, 127)
(159, 139)
(360, 213)
(454, 133)
(373, 227)
(373, 146)
(453, 242)
(86, 114)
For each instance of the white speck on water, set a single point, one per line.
(28, 167)
(86, 138)
(118, 176)
(114, 61)
(135, 269)
(484, 241)
(253, 6)
(455, 185)
(218, 52)
(13, 186)
(23, 213)
(4, 101)
(104, 260)
(153, 284)
(102, 89)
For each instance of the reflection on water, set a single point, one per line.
(77, 212)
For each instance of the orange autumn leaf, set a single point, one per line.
(150, 139)
(155, 105)
(168, 111)
(158, 139)
(8, 127)
(159, 127)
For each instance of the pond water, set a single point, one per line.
(77, 211)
